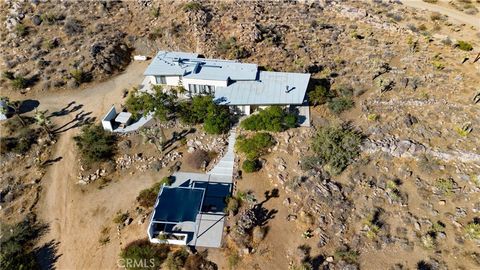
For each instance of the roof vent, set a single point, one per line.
(288, 89)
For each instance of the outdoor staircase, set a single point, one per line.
(224, 167)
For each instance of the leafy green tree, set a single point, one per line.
(95, 144)
(160, 103)
(15, 245)
(273, 118)
(196, 110)
(217, 120)
(337, 146)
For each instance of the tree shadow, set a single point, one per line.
(47, 255)
(28, 105)
(81, 119)
(263, 215)
(178, 136)
(66, 110)
(51, 161)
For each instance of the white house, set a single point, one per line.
(240, 85)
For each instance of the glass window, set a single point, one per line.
(160, 80)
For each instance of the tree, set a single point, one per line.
(217, 120)
(250, 166)
(42, 120)
(160, 103)
(337, 146)
(95, 144)
(155, 136)
(273, 118)
(254, 146)
(15, 105)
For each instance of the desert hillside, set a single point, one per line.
(387, 177)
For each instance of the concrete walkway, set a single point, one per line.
(224, 169)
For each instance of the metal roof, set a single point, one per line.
(178, 204)
(189, 65)
(270, 88)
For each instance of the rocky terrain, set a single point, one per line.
(404, 204)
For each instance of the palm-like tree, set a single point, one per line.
(15, 105)
(42, 120)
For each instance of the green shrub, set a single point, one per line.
(347, 255)
(79, 76)
(48, 18)
(273, 118)
(148, 197)
(472, 230)
(95, 144)
(196, 110)
(120, 217)
(155, 12)
(250, 166)
(464, 46)
(21, 30)
(192, 6)
(337, 146)
(320, 95)
(142, 103)
(308, 163)
(142, 251)
(339, 104)
(446, 186)
(19, 82)
(254, 146)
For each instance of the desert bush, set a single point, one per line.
(308, 163)
(120, 217)
(192, 6)
(472, 230)
(176, 260)
(80, 76)
(198, 159)
(95, 144)
(254, 146)
(250, 166)
(339, 104)
(446, 186)
(155, 12)
(428, 241)
(347, 255)
(20, 144)
(16, 244)
(435, 16)
(232, 205)
(464, 46)
(48, 18)
(19, 82)
(73, 27)
(431, 1)
(198, 261)
(320, 95)
(21, 30)
(148, 197)
(273, 118)
(140, 251)
(337, 146)
(233, 259)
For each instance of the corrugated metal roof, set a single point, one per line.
(190, 66)
(270, 88)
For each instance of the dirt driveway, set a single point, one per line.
(76, 214)
(445, 9)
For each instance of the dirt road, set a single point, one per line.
(75, 215)
(445, 9)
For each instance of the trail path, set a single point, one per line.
(62, 205)
(443, 8)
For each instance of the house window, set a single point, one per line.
(201, 89)
(160, 80)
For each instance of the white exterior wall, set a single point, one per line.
(171, 80)
(187, 82)
(106, 121)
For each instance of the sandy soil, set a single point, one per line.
(77, 215)
(444, 8)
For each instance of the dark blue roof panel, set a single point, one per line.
(178, 204)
